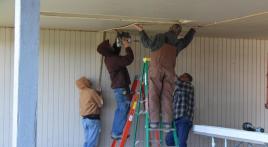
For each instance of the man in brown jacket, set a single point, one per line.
(120, 81)
(164, 50)
(90, 105)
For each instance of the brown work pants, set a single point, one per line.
(161, 86)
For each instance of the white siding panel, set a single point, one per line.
(6, 82)
(229, 78)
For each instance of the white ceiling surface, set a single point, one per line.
(199, 11)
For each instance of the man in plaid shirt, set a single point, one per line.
(183, 109)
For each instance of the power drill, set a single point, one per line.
(249, 127)
(120, 36)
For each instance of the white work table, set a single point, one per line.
(231, 134)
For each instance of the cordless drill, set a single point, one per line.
(249, 127)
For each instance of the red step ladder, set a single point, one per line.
(135, 97)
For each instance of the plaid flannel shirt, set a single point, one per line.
(183, 100)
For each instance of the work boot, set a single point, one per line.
(167, 126)
(154, 125)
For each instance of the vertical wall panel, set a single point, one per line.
(3, 84)
(229, 79)
(232, 88)
(265, 83)
(6, 82)
(236, 81)
(262, 85)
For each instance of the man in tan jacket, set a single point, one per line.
(90, 105)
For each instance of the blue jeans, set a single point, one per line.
(92, 130)
(121, 112)
(183, 127)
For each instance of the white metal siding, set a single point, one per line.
(6, 78)
(229, 79)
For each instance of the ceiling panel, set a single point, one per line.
(79, 24)
(200, 12)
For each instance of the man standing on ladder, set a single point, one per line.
(164, 50)
(117, 68)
